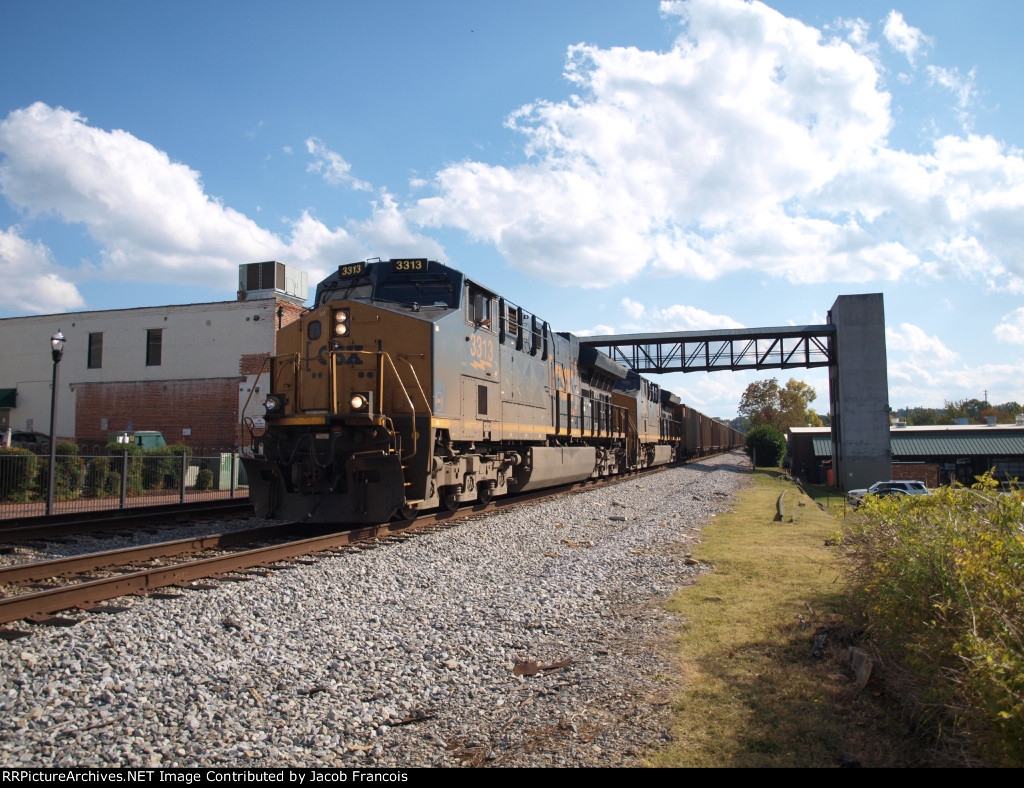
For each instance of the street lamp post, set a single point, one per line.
(57, 342)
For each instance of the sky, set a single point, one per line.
(613, 166)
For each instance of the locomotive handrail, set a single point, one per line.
(252, 390)
(408, 399)
(381, 354)
(419, 385)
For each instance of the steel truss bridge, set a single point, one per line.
(726, 349)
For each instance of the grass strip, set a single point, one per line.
(753, 695)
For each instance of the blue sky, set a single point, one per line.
(610, 166)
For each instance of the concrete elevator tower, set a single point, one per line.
(859, 392)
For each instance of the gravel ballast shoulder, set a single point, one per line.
(403, 654)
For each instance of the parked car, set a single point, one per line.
(891, 487)
(26, 439)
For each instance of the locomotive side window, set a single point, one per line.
(313, 330)
(512, 323)
(481, 308)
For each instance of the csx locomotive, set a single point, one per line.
(408, 386)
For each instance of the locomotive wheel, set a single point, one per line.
(450, 498)
(484, 494)
(407, 513)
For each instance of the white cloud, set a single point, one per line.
(387, 233)
(149, 215)
(680, 317)
(332, 166)
(634, 309)
(963, 88)
(913, 383)
(637, 317)
(1012, 328)
(752, 144)
(32, 281)
(908, 40)
(913, 340)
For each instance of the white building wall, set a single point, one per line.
(198, 341)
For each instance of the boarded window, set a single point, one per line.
(154, 346)
(95, 359)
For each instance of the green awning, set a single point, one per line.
(8, 398)
(822, 445)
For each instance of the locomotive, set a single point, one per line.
(408, 386)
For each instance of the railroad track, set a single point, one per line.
(127, 578)
(41, 528)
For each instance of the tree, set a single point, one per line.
(969, 409)
(765, 445)
(765, 402)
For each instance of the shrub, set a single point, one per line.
(18, 468)
(939, 579)
(135, 454)
(69, 470)
(162, 469)
(101, 481)
(768, 443)
(204, 480)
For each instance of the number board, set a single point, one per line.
(356, 269)
(411, 264)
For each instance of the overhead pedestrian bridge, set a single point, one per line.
(851, 344)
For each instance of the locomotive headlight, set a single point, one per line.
(341, 318)
(274, 404)
(361, 401)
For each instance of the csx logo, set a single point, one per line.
(564, 377)
(341, 359)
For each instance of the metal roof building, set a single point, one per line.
(934, 454)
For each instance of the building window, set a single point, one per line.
(95, 360)
(154, 346)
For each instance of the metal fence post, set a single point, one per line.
(184, 471)
(124, 477)
(232, 474)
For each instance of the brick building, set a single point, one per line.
(186, 370)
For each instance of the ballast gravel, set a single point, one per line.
(531, 637)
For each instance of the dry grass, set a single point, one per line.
(754, 695)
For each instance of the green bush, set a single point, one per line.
(162, 467)
(135, 454)
(101, 481)
(769, 444)
(204, 480)
(69, 470)
(939, 580)
(18, 468)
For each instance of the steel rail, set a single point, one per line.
(89, 593)
(31, 528)
(88, 562)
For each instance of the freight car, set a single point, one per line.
(408, 386)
